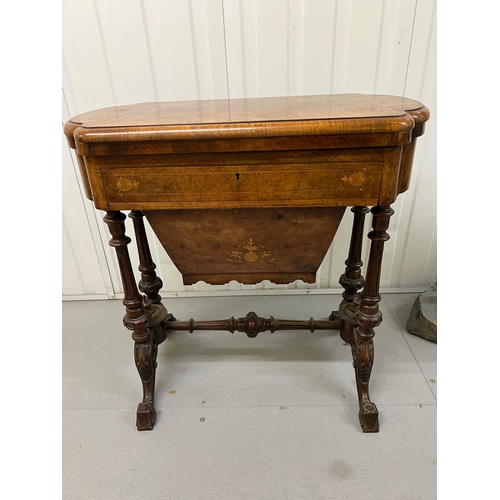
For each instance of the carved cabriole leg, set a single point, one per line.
(351, 280)
(135, 319)
(369, 317)
(150, 284)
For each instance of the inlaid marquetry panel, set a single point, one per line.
(321, 184)
(246, 245)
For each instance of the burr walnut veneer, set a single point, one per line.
(247, 190)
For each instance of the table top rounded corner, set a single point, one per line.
(251, 117)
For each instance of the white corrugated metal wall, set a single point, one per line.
(125, 52)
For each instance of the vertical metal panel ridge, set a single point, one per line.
(256, 44)
(81, 246)
(416, 262)
(195, 52)
(413, 199)
(428, 48)
(302, 45)
(210, 78)
(243, 51)
(148, 45)
(288, 47)
(72, 277)
(291, 43)
(430, 268)
(223, 14)
(342, 46)
(379, 49)
(105, 52)
(334, 40)
(409, 52)
(68, 89)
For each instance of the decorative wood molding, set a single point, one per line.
(136, 318)
(252, 325)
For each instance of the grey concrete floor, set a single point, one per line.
(273, 417)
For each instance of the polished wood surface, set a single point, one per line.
(272, 113)
(247, 190)
(246, 245)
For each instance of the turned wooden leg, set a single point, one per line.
(368, 317)
(150, 284)
(352, 280)
(136, 319)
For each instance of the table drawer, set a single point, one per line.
(242, 185)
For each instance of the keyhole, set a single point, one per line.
(237, 176)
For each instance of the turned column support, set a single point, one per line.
(136, 319)
(352, 280)
(368, 317)
(150, 284)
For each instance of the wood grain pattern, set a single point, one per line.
(204, 187)
(267, 109)
(295, 142)
(252, 192)
(260, 117)
(246, 245)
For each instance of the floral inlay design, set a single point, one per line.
(356, 179)
(251, 253)
(124, 184)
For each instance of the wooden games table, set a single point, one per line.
(247, 190)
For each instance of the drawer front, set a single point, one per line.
(320, 184)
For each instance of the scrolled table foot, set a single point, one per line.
(368, 417)
(368, 317)
(145, 360)
(146, 416)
